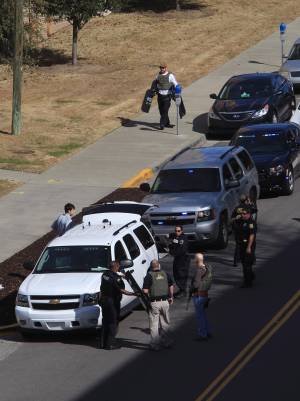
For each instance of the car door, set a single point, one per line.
(249, 171)
(138, 256)
(146, 241)
(291, 138)
(239, 175)
(279, 98)
(230, 197)
(121, 253)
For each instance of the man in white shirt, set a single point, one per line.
(63, 222)
(164, 84)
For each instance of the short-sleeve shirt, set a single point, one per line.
(246, 228)
(62, 224)
(111, 285)
(148, 281)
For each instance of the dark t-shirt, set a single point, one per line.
(148, 281)
(111, 285)
(245, 229)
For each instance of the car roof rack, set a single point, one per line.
(125, 226)
(228, 151)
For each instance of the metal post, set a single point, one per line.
(282, 47)
(17, 68)
(177, 119)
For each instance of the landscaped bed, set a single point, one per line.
(12, 272)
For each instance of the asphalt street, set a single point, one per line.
(71, 368)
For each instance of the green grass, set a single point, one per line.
(15, 161)
(64, 149)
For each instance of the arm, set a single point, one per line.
(171, 292)
(172, 79)
(250, 242)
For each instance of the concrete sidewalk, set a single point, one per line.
(27, 212)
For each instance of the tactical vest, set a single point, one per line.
(160, 286)
(205, 282)
(163, 82)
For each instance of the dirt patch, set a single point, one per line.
(66, 108)
(12, 272)
(7, 186)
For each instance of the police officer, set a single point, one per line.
(246, 234)
(178, 248)
(158, 285)
(236, 220)
(112, 288)
(163, 85)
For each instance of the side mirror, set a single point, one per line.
(145, 187)
(232, 184)
(126, 263)
(213, 96)
(28, 265)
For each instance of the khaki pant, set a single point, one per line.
(159, 322)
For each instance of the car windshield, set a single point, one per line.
(187, 180)
(262, 142)
(74, 259)
(295, 53)
(246, 89)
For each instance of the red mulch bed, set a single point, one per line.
(12, 272)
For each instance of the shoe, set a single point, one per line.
(200, 338)
(169, 126)
(112, 347)
(161, 128)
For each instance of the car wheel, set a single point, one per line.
(289, 184)
(253, 195)
(222, 239)
(27, 335)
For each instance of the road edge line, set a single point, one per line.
(143, 175)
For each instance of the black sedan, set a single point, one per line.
(251, 99)
(275, 149)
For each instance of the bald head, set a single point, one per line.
(199, 258)
(154, 265)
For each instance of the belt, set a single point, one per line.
(157, 299)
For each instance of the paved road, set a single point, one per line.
(74, 370)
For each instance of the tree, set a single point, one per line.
(77, 13)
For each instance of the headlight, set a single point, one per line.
(22, 300)
(213, 115)
(262, 112)
(276, 170)
(205, 215)
(90, 299)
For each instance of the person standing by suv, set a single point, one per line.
(158, 285)
(178, 248)
(64, 221)
(246, 241)
(112, 288)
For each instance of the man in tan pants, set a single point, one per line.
(159, 286)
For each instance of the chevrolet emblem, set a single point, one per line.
(54, 301)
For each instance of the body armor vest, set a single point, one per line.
(163, 82)
(160, 287)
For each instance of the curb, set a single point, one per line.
(10, 327)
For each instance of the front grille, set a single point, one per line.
(237, 116)
(63, 306)
(45, 297)
(295, 74)
(173, 214)
(175, 222)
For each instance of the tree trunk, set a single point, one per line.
(178, 5)
(74, 43)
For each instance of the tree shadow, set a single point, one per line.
(262, 63)
(46, 57)
(159, 6)
(5, 132)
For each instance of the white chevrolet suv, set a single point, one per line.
(61, 293)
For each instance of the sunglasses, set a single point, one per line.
(178, 231)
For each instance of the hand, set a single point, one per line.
(248, 251)
(171, 300)
(175, 241)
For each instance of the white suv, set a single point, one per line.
(61, 293)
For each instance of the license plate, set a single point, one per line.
(56, 325)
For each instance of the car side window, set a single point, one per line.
(236, 168)
(144, 236)
(227, 176)
(245, 160)
(279, 82)
(120, 253)
(132, 246)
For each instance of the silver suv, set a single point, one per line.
(198, 189)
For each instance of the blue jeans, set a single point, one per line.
(203, 327)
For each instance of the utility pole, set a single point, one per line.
(17, 68)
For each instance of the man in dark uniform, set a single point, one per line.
(163, 85)
(236, 220)
(179, 250)
(112, 288)
(246, 234)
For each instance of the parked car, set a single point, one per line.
(198, 189)
(62, 291)
(275, 149)
(291, 67)
(251, 99)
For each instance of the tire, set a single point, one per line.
(253, 195)
(222, 239)
(27, 335)
(289, 184)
